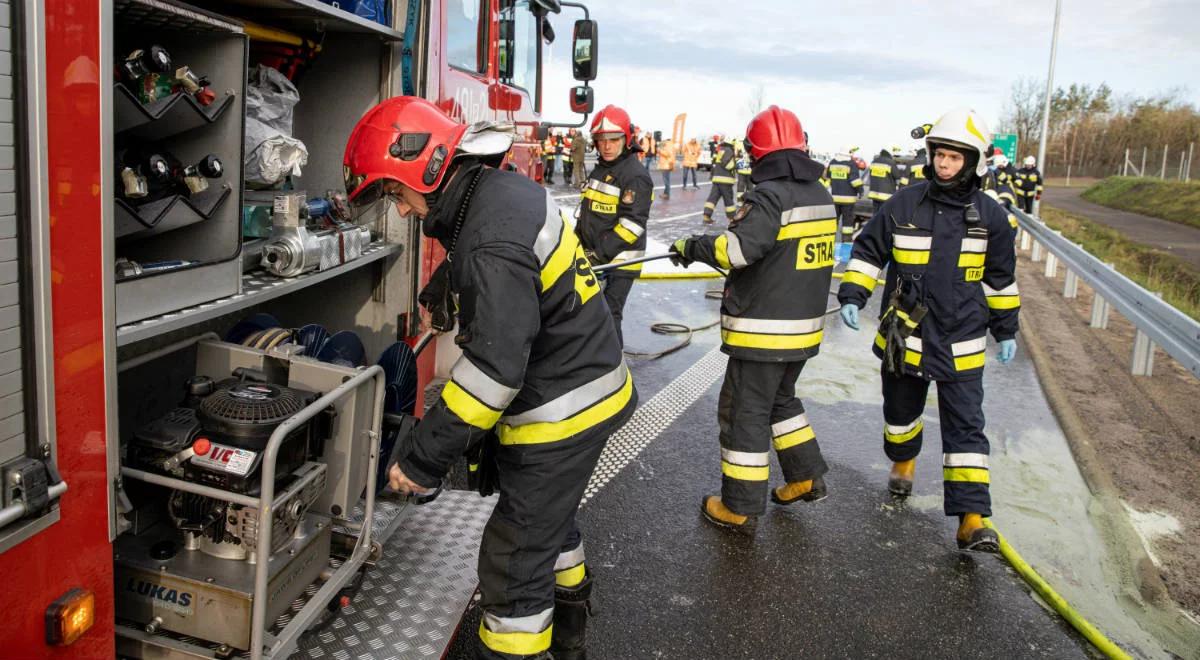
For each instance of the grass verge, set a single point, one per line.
(1154, 269)
(1177, 201)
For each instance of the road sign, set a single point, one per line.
(1006, 142)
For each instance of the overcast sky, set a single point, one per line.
(864, 73)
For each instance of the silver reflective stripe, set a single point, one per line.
(806, 213)
(772, 326)
(481, 386)
(578, 399)
(864, 268)
(746, 458)
(733, 248)
(632, 226)
(974, 245)
(629, 254)
(550, 233)
(788, 425)
(968, 347)
(604, 187)
(905, 242)
(965, 460)
(901, 430)
(569, 559)
(534, 623)
(1010, 290)
(912, 343)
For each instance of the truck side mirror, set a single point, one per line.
(583, 98)
(583, 49)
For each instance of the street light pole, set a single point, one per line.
(1041, 160)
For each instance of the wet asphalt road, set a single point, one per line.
(858, 575)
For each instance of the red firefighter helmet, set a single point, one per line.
(774, 129)
(612, 120)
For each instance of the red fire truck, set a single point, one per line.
(188, 465)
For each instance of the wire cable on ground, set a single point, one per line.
(1060, 605)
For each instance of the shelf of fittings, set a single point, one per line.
(307, 16)
(257, 287)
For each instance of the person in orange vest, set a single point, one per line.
(666, 165)
(549, 155)
(650, 148)
(691, 160)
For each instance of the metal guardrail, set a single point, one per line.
(1157, 322)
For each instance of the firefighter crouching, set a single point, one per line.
(948, 250)
(541, 383)
(779, 253)
(724, 177)
(845, 180)
(615, 207)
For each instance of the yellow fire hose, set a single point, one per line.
(1060, 605)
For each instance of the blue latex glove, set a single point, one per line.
(678, 250)
(1008, 350)
(850, 315)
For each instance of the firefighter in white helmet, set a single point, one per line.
(948, 251)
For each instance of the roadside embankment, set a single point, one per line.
(1177, 201)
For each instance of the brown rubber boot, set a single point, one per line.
(900, 481)
(812, 490)
(715, 512)
(973, 536)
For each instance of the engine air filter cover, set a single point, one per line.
(250, 411)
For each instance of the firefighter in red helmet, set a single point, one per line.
(615, 207)
(779, 253)
(539, 354)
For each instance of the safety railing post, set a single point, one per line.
(1036, 255)
(1100, 309)
(1051, 265)
(1143, 355)
(1071, 286)
(1026, 240)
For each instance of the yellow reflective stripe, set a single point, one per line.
(970, 475)
(598, 196)
(775, 342)
(516, 643)
(468, 408)
(970, 260)
(881, 196)
(854, 277)
(901, 438)
(1003, 302)
(473, 467)
(561, 260)
(910, 356)
(624, 233)
(745, 473)
(968, 362)
(797, 437)
(723, 179)
(721, 251)
(637, 268)
(804, 229)
(916, 257)
(570, 577)
(542, 432)
(844, 199)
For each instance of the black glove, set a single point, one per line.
(438, 299)
(483, 474)
(678, 253)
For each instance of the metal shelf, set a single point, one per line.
(307, 16)
(257, 287)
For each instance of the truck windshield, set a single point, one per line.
(466, 31)
(519, 40)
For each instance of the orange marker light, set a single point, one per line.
(70, 616)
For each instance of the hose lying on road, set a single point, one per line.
(1060, 605)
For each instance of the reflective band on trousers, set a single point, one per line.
(745, 473)
(571, 413)
(901, 434)
(723, 179)
(964, 459)
(527, 635)
(970, 475)
(569, 569)
(791, 432)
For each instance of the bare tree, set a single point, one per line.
(757, 99)
(1022, 112)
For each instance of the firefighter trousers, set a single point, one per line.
(616, 292)
(549, 175)
(531, 545)
(578, 177)
(1026, 202)
(758, 409)
(846, 222)
(964, 446)
(720, 192)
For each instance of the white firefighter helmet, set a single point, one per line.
(963, 128)
(1000, 160)
(1030, 161)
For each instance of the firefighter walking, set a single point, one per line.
(948, 251)
(883, 179)
(724, 177)
(845, 180)
(615, 207)
(779, 253)
(1028, 184)
(541, 382)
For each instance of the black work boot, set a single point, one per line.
(572, 607)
